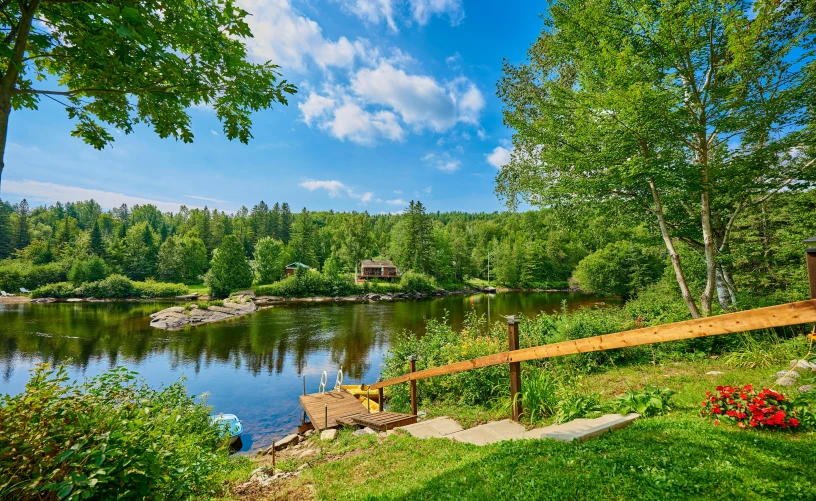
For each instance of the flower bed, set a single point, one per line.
(744, 406)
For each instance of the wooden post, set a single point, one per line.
(515, 368)
(368, 400)
(382, 400)
(326, 415)
(304, 385)
(810, 257)
(412, 361)
(273, 456)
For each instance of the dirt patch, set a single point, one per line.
(14, 300)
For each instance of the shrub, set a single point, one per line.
(413, 282)
(16, 274)
(310, 283)
(576, 405)
(268, 260)
(230, 269)
(107, 438)
(650, 401)
(59, 290)
(741, 405)
(621, 268)
(89, 270)
(152, 289)
(115, 286)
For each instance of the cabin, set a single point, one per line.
(292, 268)
(383, 270)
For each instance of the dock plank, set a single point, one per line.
(338, 404)
(384, 421)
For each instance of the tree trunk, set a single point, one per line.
(675, 257)
(708, 241)
(9, 80)
(723, 295)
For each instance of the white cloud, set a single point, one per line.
(444, 162)
(333, 187)
(360, 126)
(454, 61)
(396, 201)
(419, 11)
(207, 199)
(427, 190)
(51, 193)
(315, 107)
(286, 37)
(336, 188)
(214, 133)
(499, 157)
(419, 99)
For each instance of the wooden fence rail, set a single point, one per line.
(761, 318)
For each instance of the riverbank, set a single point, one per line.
(677, 455)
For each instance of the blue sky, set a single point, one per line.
(397, 101)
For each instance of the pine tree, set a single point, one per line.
(97, 244)
(285, 223)
(21, 235)
(303, 240)
(275, 221)
(5, 230)
(230, 270)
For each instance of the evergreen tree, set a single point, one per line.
(303, 242)
(6, 231)
(275, 222)
(269, 263)
(171, 265)
(259, 220)
(21, 231)
(229, 270)
(97, 244)
(285, 223)
(140, 252)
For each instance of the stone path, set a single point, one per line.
(497, 431)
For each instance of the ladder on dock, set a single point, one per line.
(335, 408)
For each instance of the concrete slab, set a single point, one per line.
(584, 429)
(505, 428)
(477, 436)
(437, 428)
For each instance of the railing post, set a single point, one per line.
(412, 360)
(382, 397)
(515, 368)
(810, 257)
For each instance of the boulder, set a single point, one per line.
(806, 387)
(329, 434)
(286, 441)
(307, 453)
(788, 373)
(803, 365)
(364, 431)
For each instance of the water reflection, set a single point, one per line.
(250, 366)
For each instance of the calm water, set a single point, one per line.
(253, 366)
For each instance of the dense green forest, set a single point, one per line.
(602, 249)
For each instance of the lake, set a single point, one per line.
(252, 366)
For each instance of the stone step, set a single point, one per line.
(433, 428)
(584, 429)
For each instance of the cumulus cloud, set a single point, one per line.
(443, 162)
(499, 157)
(423, 10)
(335, 189)
(418, 11)
(381, 101)
(286, 37)
(371, 11)
(52, 193)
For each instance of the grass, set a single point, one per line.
(674, 456)
(201, 288)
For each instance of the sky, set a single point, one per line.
(396, 101)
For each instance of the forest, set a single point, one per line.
(603, 248)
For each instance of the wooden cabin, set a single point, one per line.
(292, 268)
(383, 270)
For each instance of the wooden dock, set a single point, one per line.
(336, 408)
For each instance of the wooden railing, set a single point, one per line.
(761, 318)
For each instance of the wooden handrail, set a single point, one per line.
(782, 315)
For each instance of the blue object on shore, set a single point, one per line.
(231, 424)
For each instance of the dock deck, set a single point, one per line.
(335, 408)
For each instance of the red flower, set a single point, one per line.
(794, 422)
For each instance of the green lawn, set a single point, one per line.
(676, 456)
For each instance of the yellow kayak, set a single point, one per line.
(361, 390)
(375, 407)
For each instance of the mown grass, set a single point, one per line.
(674, 456)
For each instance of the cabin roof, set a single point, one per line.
(371, 263)
(296, 264)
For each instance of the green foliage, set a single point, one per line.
(182, 258)
(576, 405)
(112, 287)
(309, 283)
(648, 402)
(16, 274)
(229, 270)
(414, 282)
(269, 265)
(87, 270)
(108, 437)
(620, 269)
(140, 252)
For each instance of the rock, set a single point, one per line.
(303, 467)
(308, 453)
(806, 387)
(329, 434)
(44, 300)
(286, 442)
(789, 374)
(803, 365)
(194, 295)
(176, 317)
(714, 373)
(309, 433)
(364, 431)
(786, 381)
(74, 300)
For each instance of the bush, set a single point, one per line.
(59, 290)
(16, 274)
(413, 282)
(107, 438)
(621, 268)
(310, 283)
(230, 269)
(89, 270)
(115, 286)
